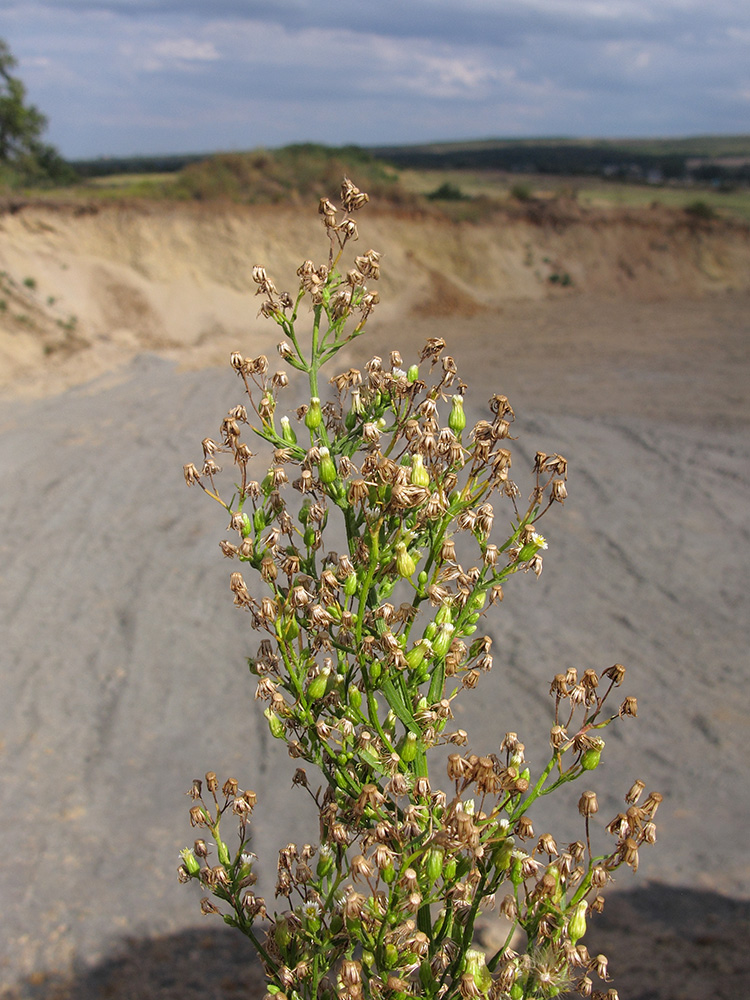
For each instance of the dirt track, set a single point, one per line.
(123, 660)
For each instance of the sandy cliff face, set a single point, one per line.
(85, 288)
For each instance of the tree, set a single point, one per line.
(22, 126)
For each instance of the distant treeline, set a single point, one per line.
(567, 158)
(110, 166)
(707, 159)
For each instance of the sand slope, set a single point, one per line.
(86, 287)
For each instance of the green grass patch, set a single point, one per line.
(725, 204)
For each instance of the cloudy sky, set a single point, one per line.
(125, 77)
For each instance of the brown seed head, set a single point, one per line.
(616, 673)
(588, 804)
(629, 707)
(524, 828)
(635, 791)
(652, 804)
(192, 476)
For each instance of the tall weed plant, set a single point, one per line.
(422, 827)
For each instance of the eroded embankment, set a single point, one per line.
(84, 288)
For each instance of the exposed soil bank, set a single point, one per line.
(86, 288)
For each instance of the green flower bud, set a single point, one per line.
(449, 869)
(413, 374)
(282, 934)
(375, 670)
(590, 759)
(259, 519)
(419, 475)
(350, 585)
(516, 875)
(190, 861)
(554, 871)
(416, 655)
(422, 579)
(408, 750)
(287, 431)
(404, 563)
(577, 925)
(388, 874)
(501, 855)
(223, 852)
(314, 415)
(478, 600)
(457, 418)
(341, 781)
(516, 991)
(434, 865)
(431, 631)
(391, 956)
(442, 641)
(476, 966)
(275, 724)
(309, 537)
(443, 614)
(289, 628)
(317, 686)
(326, 468)
(354, 696)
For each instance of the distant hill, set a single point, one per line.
(700, 157)
(553, 154)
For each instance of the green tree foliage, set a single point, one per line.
(23, 155)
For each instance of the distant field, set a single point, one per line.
(499, 186)
(702, 145)
(130, 180)
(729, 204)
(457, 179)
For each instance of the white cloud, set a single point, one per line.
(167, 54)
(185, 50)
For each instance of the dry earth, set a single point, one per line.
(122, 662)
